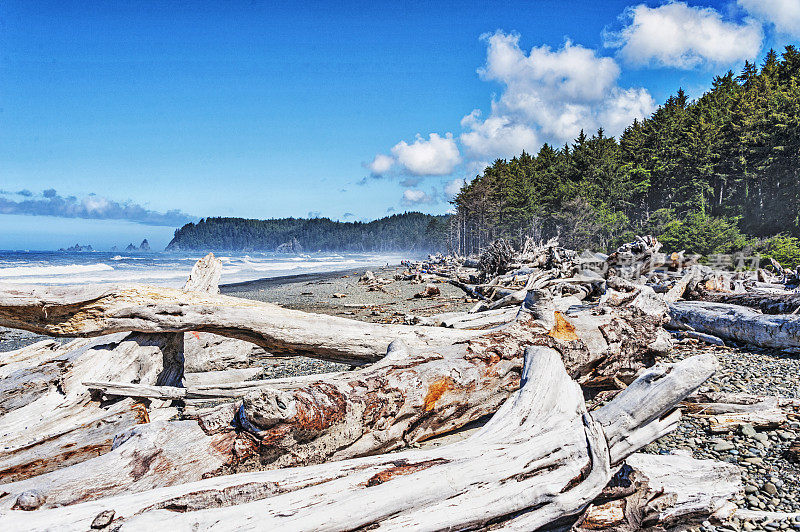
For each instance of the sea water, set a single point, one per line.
(169, 269)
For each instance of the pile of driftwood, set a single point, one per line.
(155, 416)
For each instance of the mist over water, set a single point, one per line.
(170, 269)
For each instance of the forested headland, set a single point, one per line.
(713, 175)
(411, 231)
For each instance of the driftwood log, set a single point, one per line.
(405, 398)
(766, 302)
(541, 458)
(49, 419)
(734, 322)
(431, 381)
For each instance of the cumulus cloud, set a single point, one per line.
(435, 156)
(413, 196)
(496, 136)
(549, 96)
(92, 206)
(784, 14)
(677, 35)
(453, 187)
(380, 165)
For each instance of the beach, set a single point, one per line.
(320, 292)
(771, 479)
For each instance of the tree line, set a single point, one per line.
(411, 231)
(712, 175)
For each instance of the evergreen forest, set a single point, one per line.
(713, 175)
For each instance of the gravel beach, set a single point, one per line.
(771, 480)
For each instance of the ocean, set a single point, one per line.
(170, 269)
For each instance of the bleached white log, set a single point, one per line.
(677, 290)
(764, 419)
(710, 402)
(143, 457)
(668, 492)
(742, 324)
(58, 418)
(636, 413)
(768, 302)
(540, 458)
(98, 310)
(762, 515)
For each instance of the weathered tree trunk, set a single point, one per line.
(727, 412)
(406, 397)
(663, 492)
(55, 422)
(95, 310)
(50, 418)
(541, 457)
(741, 324)
(766, 302)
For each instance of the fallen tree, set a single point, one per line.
(734, 322)
(405, 398)
(541, 458)
(766, 302)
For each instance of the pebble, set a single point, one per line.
(770, 480)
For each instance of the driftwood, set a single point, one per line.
(405, 398)
(741, 324)
(56, 422)
(50, 418)
(541, 457)
(766, 302)
(726, 412)
(94, 311)
(432, 381)
(541, 460)
(658, 492)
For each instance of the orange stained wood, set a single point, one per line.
(605, 515)
(435, 391)
(563, 330)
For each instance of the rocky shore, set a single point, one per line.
(769, 468)
(771, 478)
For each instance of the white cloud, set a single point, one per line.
(380, 165)
(784, 14)
(574, 71)
(677, 35)
(453, 187)
(496, 136)
(549, 95)
(625, 105)
(435, 156)
(413, 196)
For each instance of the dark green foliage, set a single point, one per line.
(699, 174)
(411, 231)
(783, 248)
(699, 233)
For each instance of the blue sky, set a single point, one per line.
(120, 121)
